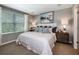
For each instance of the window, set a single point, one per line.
(12, 21)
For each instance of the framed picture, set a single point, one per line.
(47, 17)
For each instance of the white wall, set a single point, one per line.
(75, 26)
(65, 16)
(38, 19)
(78, 27)
(26, 23)
(32, 21)
(72, 22)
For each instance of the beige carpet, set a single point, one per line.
(65, 49)
(59, 49)
(13, 49)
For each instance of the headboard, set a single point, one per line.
(47, 28)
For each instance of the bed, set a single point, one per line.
(40, 43)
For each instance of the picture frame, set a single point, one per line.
(47, 17)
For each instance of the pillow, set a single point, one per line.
(45, 30)
(37, 29)
(54, 29)
(50, 30)
(54, 36)
(40, 29)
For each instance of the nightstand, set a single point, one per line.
(62, 37)
(32, 29)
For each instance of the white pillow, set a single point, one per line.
(50, 30)
(54, 36)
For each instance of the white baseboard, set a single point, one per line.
(75, 47)
(7, 42)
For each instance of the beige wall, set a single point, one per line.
(75, 26)
(65, 15)
(78, 26)
(32, 21)
(26, 23)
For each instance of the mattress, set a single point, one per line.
(41, 43)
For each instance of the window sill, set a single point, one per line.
(10, 32)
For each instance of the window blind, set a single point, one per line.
(12, 21)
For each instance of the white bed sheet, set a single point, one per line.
(41, 43)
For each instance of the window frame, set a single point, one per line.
(16, 23)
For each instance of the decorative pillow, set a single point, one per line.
(37, 29)
(45, 30)
(50, 30)
(54, 36)
(40, 29)
(54, 29)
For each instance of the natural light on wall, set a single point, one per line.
(64, 23)
(33, 22)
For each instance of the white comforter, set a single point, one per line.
(41, 43)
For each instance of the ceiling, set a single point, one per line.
(35, 9)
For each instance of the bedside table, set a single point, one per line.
(31, 30)
(62, 37)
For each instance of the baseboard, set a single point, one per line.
(64, 42)
(7, 42)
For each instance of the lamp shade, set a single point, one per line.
(64, 22)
